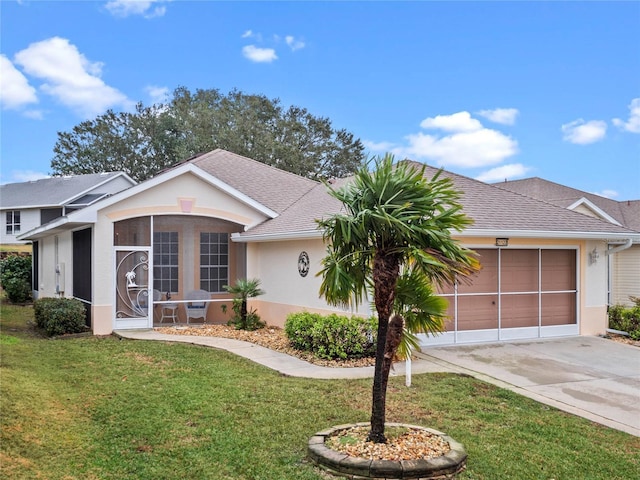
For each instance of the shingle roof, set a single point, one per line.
(50, 192)
(270, 186)
(627, 213)
(302, 215)
(493, 209)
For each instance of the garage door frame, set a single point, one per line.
(456, 335)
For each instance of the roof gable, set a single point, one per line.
(270, 186)
(625, 213)
(593, 209)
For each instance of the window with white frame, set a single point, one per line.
(165, 261)
(214, 261)
(13, 222)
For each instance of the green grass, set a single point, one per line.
(104, 408)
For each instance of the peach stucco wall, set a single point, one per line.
(275, 264)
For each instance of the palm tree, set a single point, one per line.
(243, 290)
(395, 240)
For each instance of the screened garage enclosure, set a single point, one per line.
(518, 293)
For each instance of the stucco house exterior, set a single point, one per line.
(624, 266)
(27, 205)
(219, 216)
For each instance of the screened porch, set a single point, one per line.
(172, 269)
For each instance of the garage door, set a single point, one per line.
(518, 294)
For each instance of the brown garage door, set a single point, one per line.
(516, 294)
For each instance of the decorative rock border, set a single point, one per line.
(337, 463)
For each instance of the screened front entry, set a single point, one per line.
(162, 261)
(519, 293)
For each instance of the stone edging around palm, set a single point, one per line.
(338, 463)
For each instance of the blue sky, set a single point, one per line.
(491, 90)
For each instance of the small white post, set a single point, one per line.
(407, 371)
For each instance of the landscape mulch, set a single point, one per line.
(273, 338)
(410, 444)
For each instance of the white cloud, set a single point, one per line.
(633, 124)
(378, 147)
(457, 122)
(583, 133)
(503, 116)
(607, 193)
(293, 43)
(34, 114)
(26, 176)
(247, 34)
(466, 143)
(259, 55)
(465, 149)
(126, 8)
(157, 94)
(505, 172)
(69, 77)
(15, 91)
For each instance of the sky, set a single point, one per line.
(491, 90)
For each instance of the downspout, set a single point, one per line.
(620, 248)
(608, 252)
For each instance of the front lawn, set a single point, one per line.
(103, 408)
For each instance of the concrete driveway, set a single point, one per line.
(593, 377)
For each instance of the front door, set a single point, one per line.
(133, 279)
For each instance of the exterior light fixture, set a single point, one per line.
(502, 242)
(593, 256)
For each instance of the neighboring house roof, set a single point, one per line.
(54, 191)
(270, 186)
(495, 212)
(626, 213)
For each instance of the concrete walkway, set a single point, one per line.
(592, 377)
(281, 362)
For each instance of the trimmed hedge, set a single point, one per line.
(332, 336)
(625, 319)
(59, 316)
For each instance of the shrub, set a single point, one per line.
(59, 316)
(332, 336)
(625, 319)
(15, 278)
(17, 290)
(244, 318)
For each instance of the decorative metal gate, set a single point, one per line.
(134, 305)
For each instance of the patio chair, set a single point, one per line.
(195, 308)
(167, 310)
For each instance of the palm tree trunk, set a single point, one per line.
(385, 276)
(379, 393)
(243, 311)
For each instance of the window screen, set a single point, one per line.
(165, 261)
(214, 261)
